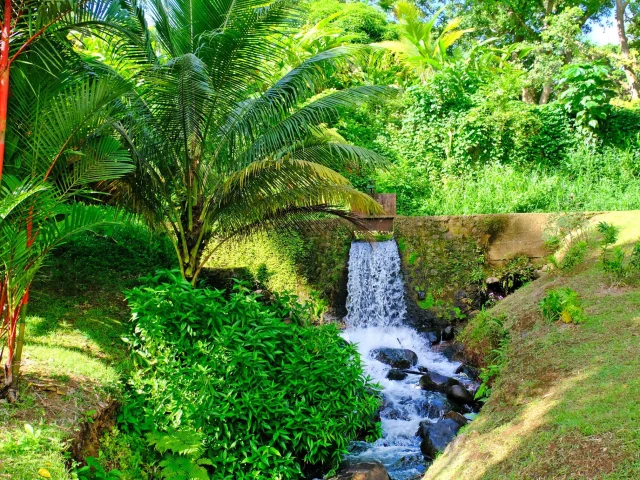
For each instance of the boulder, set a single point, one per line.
(453, 351)
(459, 394)
(396, 357)
(457, 417)
(434, 337)
(356, 447)
(422, 295)
(467, 370)
(448, 333)
(362, 471)
(435, 382)
(396, 374)
(434, 405)
(436, 436)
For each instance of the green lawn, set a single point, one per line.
(74, 354)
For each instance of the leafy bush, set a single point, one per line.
(562, 304)
(609, 234)
(613, 259)
(367, 23)
(575, 254)
(269, 396)
(587, 94)
(94, 470)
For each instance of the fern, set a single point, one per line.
(182, 450)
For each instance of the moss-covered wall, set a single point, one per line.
(444, 257)
(312, 262)
(446, 260)
(440, 257)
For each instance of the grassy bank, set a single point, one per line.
(565, 404)
(74, 355)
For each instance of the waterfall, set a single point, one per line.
(376, 290)
(376, 319)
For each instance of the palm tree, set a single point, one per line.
(419, 46)
(221, 149)
(58, 127)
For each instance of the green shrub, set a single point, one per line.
(587, 94)
(562, 304)
(94, 470)
(574, 255)
(612, 258)
(609, 233)
(367, 23)
(269, 396)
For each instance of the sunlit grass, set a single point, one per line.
(74, 353)
(566, 404)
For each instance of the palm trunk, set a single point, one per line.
(17, 356)
(4, 78)
(632, 79)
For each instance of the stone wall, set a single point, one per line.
(441, 256)
(446, 260)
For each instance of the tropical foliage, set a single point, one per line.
(420, 45)
(261, 394)
(59, 140)
(221, 149)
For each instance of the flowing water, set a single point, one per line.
(376, 318)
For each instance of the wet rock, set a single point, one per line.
(434, 405)
(362, 471)
(423, 369)
(448, 333)
(422, 295)
(459, 394)
(434, 337)
(436, 436)
(435, 382)
(356, 447)
(457, 417)
(396, 357)
(395, 414)
(467, 370)
(454, 352)
(395, 374)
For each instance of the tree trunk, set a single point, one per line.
(632, 79)
(12, 394)
(546, 93)
(528, 95)
(4, 78)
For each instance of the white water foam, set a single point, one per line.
(376, 318)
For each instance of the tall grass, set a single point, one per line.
(587, 181)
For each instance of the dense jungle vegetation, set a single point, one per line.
(140, 139)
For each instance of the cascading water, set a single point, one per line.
(376, 319)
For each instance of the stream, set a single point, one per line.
(376, 318)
